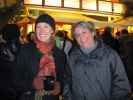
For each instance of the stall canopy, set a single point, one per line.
(127, 21)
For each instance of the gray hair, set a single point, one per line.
(89, 25)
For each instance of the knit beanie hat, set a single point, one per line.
(47, 19)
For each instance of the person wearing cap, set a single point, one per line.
(97, 72)
(40, 65)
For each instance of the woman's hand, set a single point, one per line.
(57, 88)
(38, 83)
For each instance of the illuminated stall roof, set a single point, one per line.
(52, 3)
(112, 6)
(26, 20)
(69, 11)
(66, 16)
(89, 4)
(126, 21)
(72, 3)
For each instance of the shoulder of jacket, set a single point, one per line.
(57, 50)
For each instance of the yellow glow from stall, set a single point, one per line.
(105, 6)
(2, 4)
(89, 4)
(73, 11)
(53, 2)
(118, 8)
(36, 2)
(67, 28)
(29, 28)
(72, 3)
(10, 2)
(58, 27)
(130, 29)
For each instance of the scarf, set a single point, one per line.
(46, 65)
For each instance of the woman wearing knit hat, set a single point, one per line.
(41, 65)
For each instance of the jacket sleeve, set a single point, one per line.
(67, 84)
(22, 82)
(120, 83)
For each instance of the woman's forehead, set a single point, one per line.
(81, 28)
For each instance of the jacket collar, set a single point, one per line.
(96, 53)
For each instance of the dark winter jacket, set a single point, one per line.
(99, 75)
(126, 52)
(8, 52)
(27, 66)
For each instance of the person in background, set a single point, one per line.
(63, 42)
(10, 34)
(40, 64)
(109, 40)
(126, 52)
(118, 35)
(30, 37)
(124, 35)
(97, 72)
(9, 49)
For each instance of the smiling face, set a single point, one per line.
(84, 37)
(44, 32)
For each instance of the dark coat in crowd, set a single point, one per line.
(112, 42)
(100, 75)
(27, 66)
(8, 51)
(6, 72)
(126, 51)
(109, 40)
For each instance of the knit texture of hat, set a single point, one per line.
(46, 19)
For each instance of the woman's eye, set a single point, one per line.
(84, 32)
(46, 26)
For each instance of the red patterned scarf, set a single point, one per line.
(47, 64)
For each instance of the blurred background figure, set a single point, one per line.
(10, 34)
(126, 52)
(8, 51)
(30, 37)
(124, 36)
(62, 41)
(98, 34)
(118, 35)
(109, 40)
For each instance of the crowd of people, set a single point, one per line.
(50, 66)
